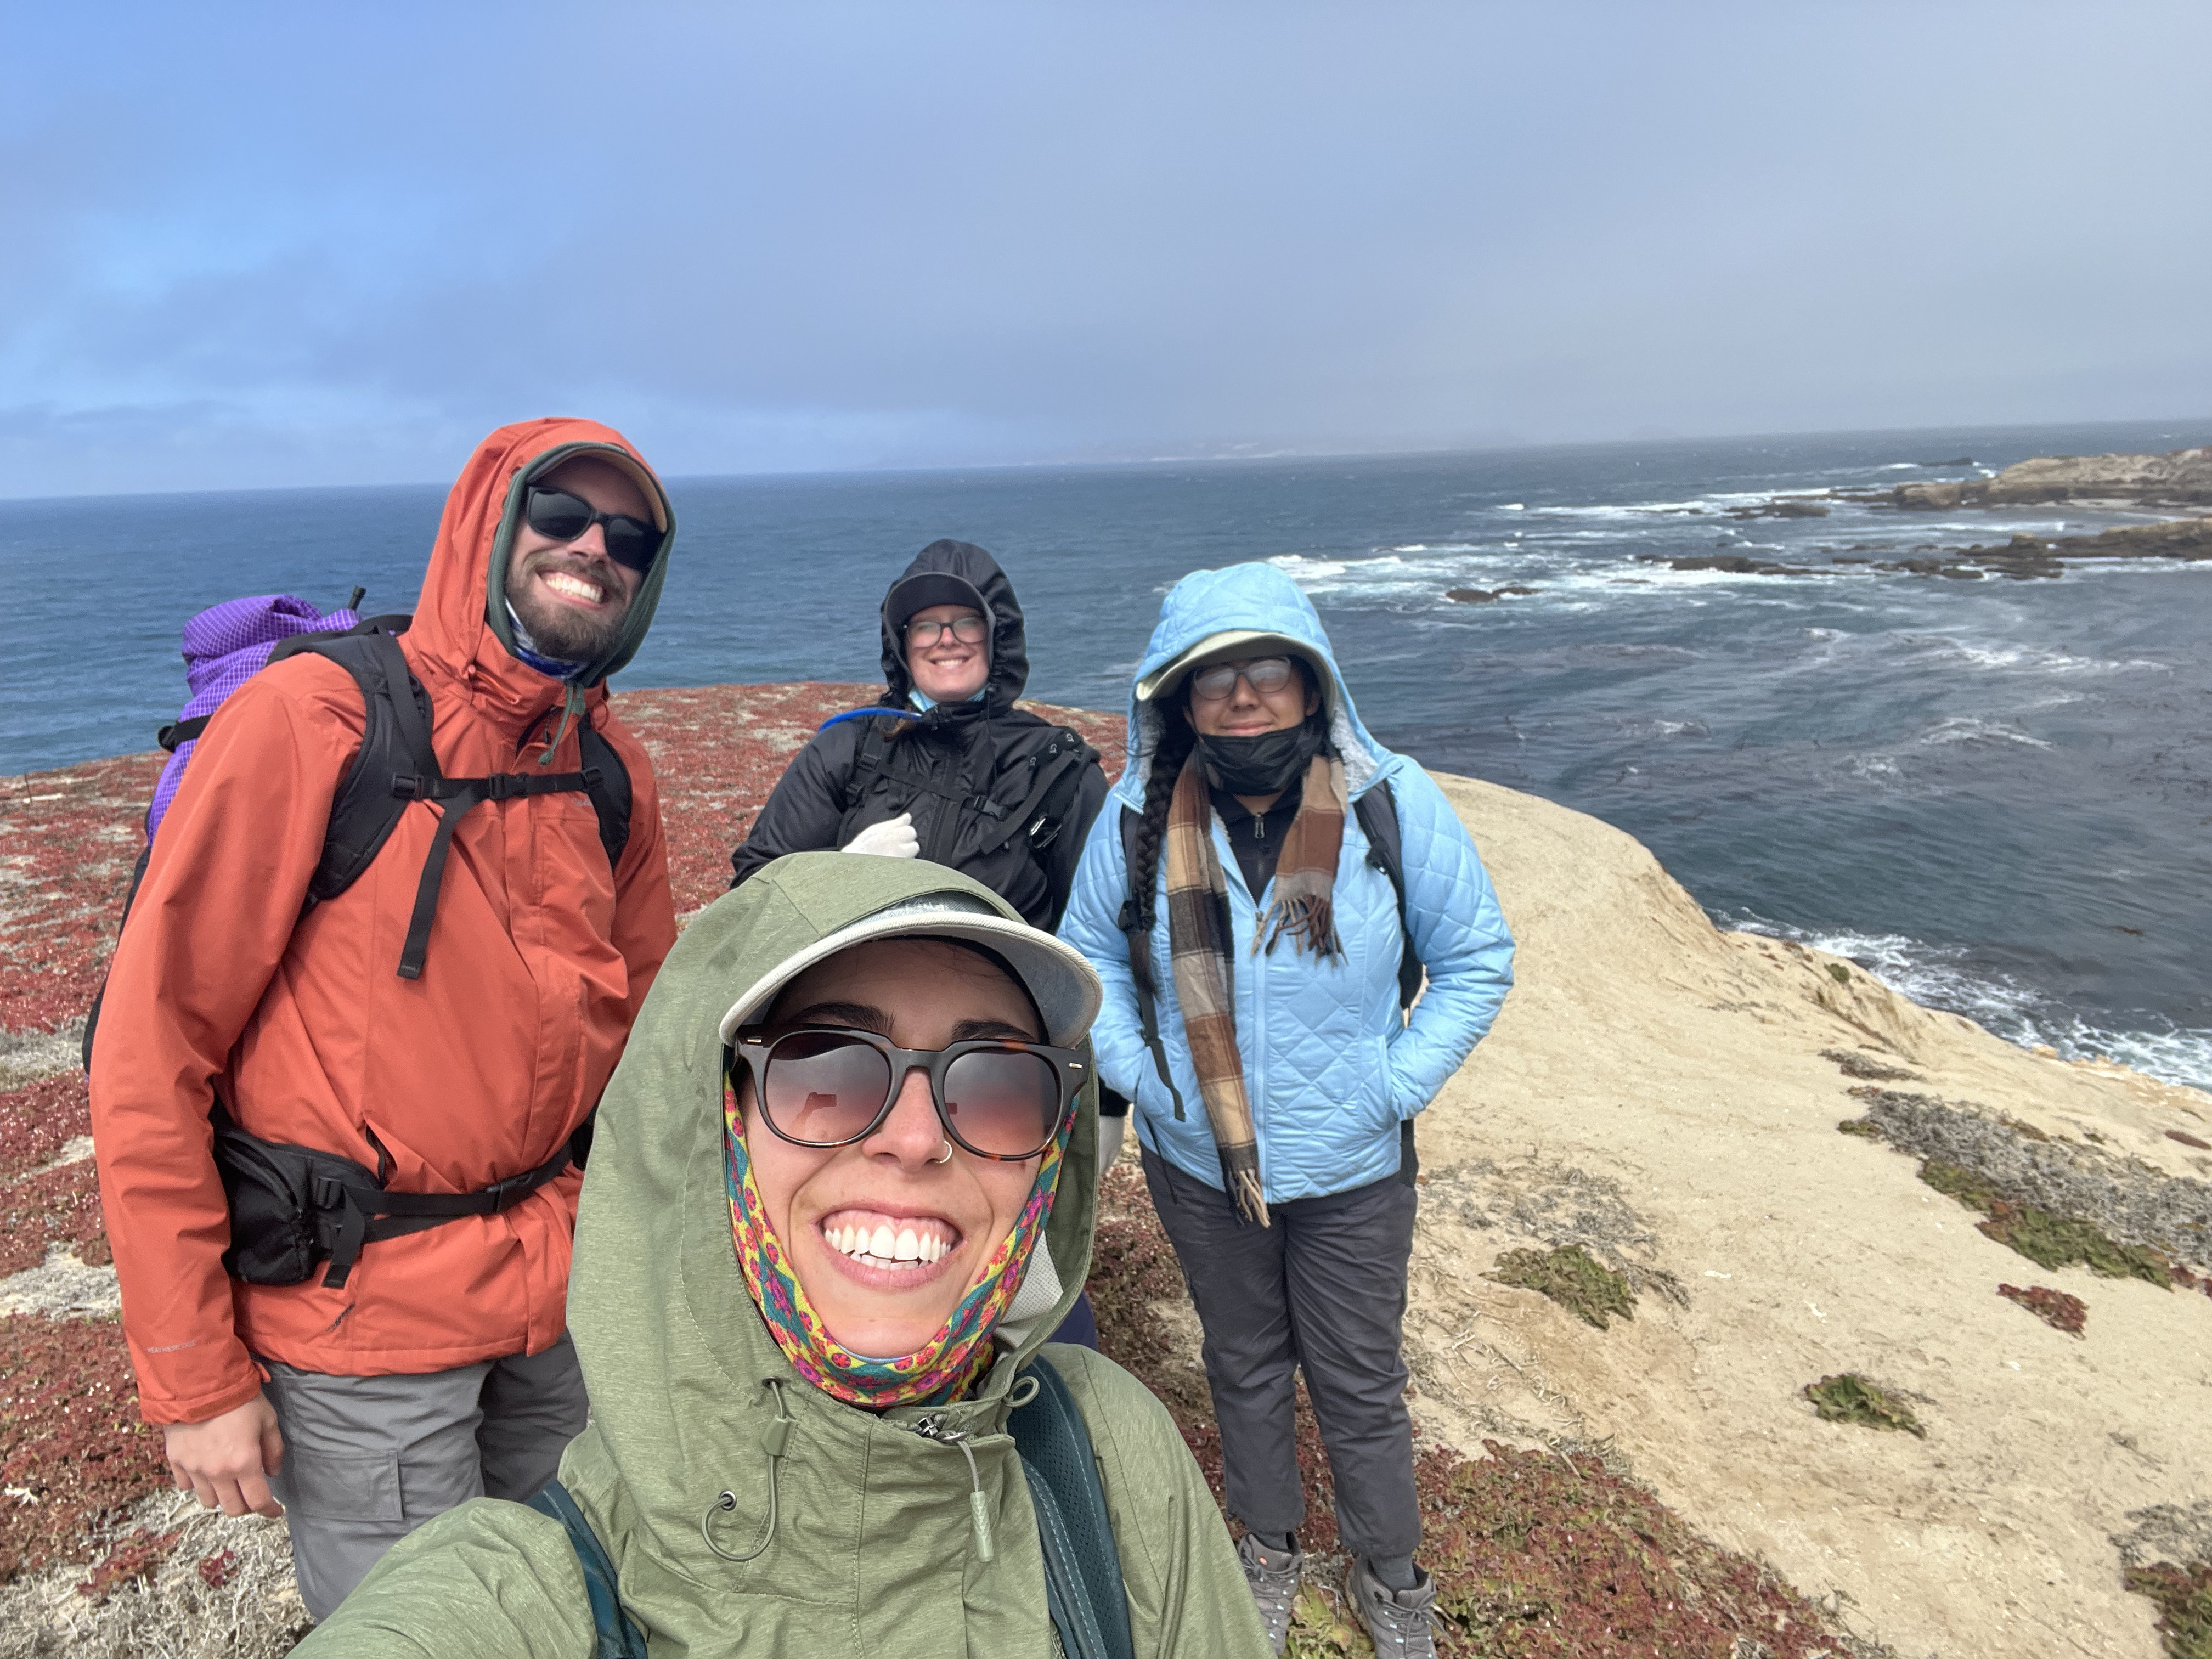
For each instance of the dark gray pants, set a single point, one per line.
(1323, 1289)
(370, 1459)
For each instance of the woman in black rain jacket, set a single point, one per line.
(965, 780)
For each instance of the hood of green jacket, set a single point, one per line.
(677, 1357)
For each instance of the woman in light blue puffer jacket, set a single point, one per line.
(1276, 1082)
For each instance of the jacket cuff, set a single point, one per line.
(200, 1408)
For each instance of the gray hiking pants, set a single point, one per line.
(370, 1459)
(1322, 1289)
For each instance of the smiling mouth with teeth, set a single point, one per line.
(893, 1242)
(573, 587)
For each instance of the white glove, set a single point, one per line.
(893, 839)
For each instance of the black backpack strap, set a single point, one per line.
(618, 1636)
(457, 795)
(875, 749)
(607, 781)
(398, 763)
(1141, 946)
(177, 734)
(1088, 1604)
(1378, 820)
(1055, 777)
(362, 1213)
(395, 742)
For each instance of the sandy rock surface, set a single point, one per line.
(1657, 1088)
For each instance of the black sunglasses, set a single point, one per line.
(563, 517)
(829, 1085)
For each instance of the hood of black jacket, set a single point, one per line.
(1010, 653)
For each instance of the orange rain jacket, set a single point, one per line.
(538, 961)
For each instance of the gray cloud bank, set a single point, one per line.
(265, 245)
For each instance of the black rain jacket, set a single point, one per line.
(934, 767)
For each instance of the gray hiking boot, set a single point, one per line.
(1401, 1623)
(1274, 1582)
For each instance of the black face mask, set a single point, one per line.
(1265, 765)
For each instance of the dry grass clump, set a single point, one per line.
(1851, 1398)
(1571, 1277)
(1537, 1554)
(1853, 1062)
(2056, 1202)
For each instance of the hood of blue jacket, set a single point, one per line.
(1245, 599)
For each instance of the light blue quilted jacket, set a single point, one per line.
(1331, 1067)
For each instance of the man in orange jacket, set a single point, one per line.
(441, 1367)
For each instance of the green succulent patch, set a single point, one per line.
(1571, 1277)
(2184, 1598)
(1852, 1398)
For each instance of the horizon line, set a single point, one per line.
(1216, 459)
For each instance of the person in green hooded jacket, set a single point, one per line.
(842, 1187)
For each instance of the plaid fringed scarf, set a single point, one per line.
(1199, 947)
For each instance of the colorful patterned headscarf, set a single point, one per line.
(942, 1369)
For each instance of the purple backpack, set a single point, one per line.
(225, 646)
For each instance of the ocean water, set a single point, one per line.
(1995, 795)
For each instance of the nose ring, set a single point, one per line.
(944, 1156)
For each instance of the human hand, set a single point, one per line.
(892, 839)
(227, 1461)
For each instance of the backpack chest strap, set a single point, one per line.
(458, 795)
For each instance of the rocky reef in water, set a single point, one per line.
(2182, 477)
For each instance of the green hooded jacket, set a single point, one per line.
(874, 1550)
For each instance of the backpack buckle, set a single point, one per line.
(504, 785)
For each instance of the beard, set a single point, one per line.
(564, 631)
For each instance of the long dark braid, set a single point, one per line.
(1176, 739)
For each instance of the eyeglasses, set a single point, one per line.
(1262, 674)
(831, 1086)
(969, 630)
(555, 512)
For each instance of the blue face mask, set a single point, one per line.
(924, 702)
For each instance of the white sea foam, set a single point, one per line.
(1935, 977)
(2001, 657)
(1964, 728)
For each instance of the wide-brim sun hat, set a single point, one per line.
(1062, 984)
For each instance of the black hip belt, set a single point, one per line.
(292, 1206)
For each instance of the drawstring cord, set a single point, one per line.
(775, 1441)
(979, 1508)
(571, 705)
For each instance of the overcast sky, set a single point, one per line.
(298, 244)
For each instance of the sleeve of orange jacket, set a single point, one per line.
(645, 908)
(209, 926)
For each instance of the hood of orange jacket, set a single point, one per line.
(461, 621)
